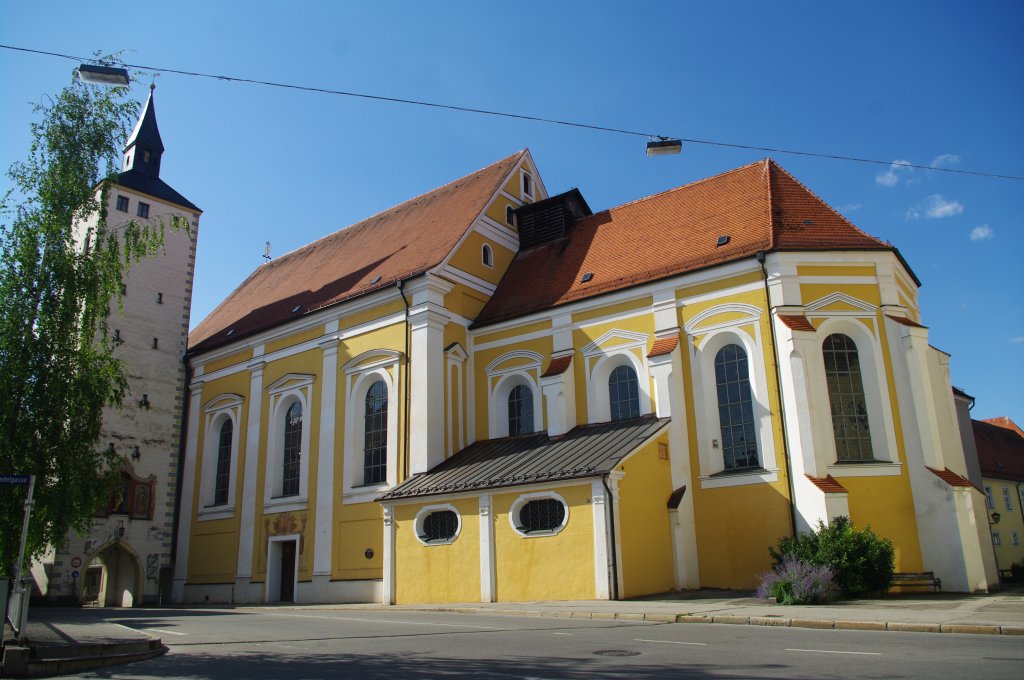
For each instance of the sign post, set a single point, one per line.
(18, 611)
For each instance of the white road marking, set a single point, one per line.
(408, 623)
(135, 630)
(569, 634)
(833, 651)
(167, 632)
(673, 642)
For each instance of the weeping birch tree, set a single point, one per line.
(61, 270)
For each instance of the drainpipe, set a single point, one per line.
(778, 394)
(405, 383)
(611, 530)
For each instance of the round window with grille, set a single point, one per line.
(436, 525)
(538, 516)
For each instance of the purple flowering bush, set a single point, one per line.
(795, 581)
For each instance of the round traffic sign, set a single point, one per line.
(76, 562)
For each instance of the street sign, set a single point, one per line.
(20, 480)
(74, 574)
(76, 562)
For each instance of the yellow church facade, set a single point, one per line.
(492, 394)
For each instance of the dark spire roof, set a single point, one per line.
(146, 133)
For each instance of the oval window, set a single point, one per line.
(541, 515)
(441, 525)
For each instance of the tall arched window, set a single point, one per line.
(487, 256)
(223, 473)
(520, 410)
(375, 429)
(623, 393)
(846, 397)
(735, 408)
(291, 459)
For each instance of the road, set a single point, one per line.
(300, 643)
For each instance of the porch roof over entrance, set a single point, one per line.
(584, 451)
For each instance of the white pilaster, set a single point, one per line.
(602, 540)
(324, 533)
(188, 484)
(426, 411)
(388, 589)
(252, 455)
(615, 511)
(915, 346)
(486, 548)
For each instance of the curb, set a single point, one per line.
(775, 621)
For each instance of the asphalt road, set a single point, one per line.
(296, 644)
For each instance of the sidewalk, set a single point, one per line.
(61, 641)
(999, 613)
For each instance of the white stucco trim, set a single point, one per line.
(487, 571)
(501, 382)
(220, 409)
(272, 592)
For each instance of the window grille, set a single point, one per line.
(846, 397)
(440, 526)
(520, 410)
(623, 394)
(220, 489)
(735, 408)
(292, 450)
(543, 514)
(375, 438)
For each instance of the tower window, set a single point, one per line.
(122, 203)
(156, 343)
(145, 157)
(143, 210)
(159, 298)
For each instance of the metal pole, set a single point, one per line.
(18, 584)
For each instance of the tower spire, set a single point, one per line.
(144, 147)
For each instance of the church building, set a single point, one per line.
(487, 393)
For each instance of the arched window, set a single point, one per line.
(375, 438)
(520, 410)
(735, 408)
(223, 473)
(291, 460)
(623, 393)
(846, 397)
(487, 256)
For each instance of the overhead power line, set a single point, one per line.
(520, 116)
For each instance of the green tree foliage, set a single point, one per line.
(61, 270)
(862, 562)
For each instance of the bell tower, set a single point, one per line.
(144, 147)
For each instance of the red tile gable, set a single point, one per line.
(1000, 449)
(759, 207)
(904, 321)
(400, 242)
(558, 366)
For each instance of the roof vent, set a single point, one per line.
(550, 219)
(808, 222)
(296, 308)
(375, 279)
(231, 331)
(587, 277)
(722, 240)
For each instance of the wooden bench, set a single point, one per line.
(911, 579)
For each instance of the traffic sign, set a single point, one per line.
(20, 480)
(74, 574)
(76, 562)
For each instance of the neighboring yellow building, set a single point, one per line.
(1000, 445)
(486, 393)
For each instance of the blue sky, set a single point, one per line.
(926, 82)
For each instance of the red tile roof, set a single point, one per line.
(760, 207)
(905, 322)
(558, 366)
(663, 346)
(398, 243)
(827, 484)
(1000, 448)
(950, 477)
(797, 322)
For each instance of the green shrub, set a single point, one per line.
(861, 561)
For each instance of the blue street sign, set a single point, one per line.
(21, 480)
(74, 574)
